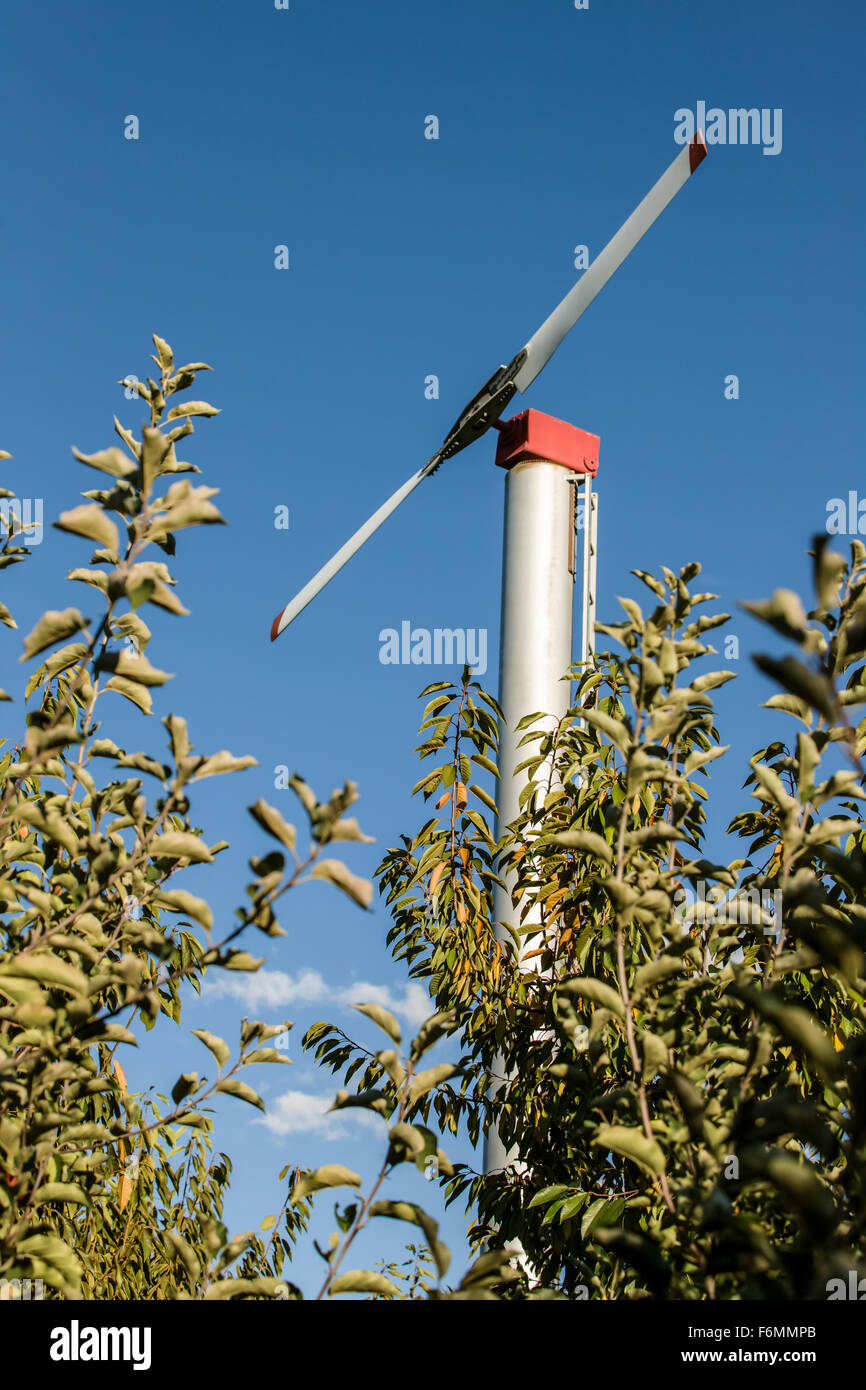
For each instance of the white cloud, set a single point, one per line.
(275, 988)
(270, 987)
(302, 1112)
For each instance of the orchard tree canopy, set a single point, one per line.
(671, 1048)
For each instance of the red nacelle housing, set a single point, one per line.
(534, 435)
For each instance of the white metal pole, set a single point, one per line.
(547, 459)
(535, 640)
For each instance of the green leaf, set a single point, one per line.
(386, 1021)
(184, 1251)
(233, 1087)
(426, 1080)
(698, 758)
(60, 1192)
(91, 522)
(215, 1045)
(363, 1281)
(549, 1194)
(348, 828)
(47, 969)
(271, 821)
(651, 582)
(131, 690)
(431, 1030)
(53, 626)
(186, 506)
(632, 1144)
(105, 748)
(266, 1055)
(223, 762)
(185, 1084)
(191, 408)
(799, 681)
(155, 447)
(572, 1206)
(178, 736)
(98, 578)
(790, 704)
(659, 969)
(134, 668)
(54, 1262)
(180, 844)
(614, 728)
(784, 612)
(331, 1175)
(586, 840)
(242, 960)
(411, 1137)
(603, 1212)
(597, 992)
(417, 1216)
(164, 352)
(178, 900)
(112, 460)
(797, 1024)
(360, 890)
(711, 681)
(486, 763)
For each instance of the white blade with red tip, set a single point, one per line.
(543, 344)
(536, 354)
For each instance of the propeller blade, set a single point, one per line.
(485, 408)
(345, 553)
(543, 344)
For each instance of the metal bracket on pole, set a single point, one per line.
(586, 518)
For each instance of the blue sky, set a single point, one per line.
(410, 257)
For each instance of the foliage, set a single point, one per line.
(672, 1049)
(103, 1193)
(677, 1063)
